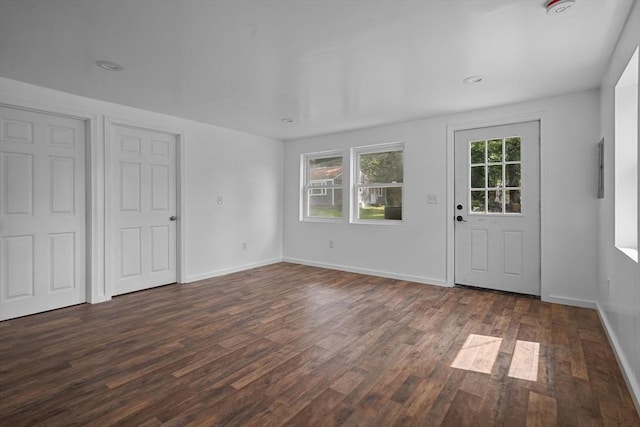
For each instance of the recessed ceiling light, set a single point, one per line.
(286, 120)
(472, 80)
(109, 66)
(556, 7)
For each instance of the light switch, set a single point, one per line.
(432, 199)
(219, 200)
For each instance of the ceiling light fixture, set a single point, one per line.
(472, 80)
(556, 7)
(286, 120)
(109, 66)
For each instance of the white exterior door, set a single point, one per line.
(497, 208)
(143, 209)
(42, 212)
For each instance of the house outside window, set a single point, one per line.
(322, 176)
(378, 183)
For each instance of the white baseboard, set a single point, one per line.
(569, 301)
(225, 271)
(632, 382)
(417, 279)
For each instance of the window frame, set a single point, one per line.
(357, 188)
(625, 158)
(305, 185)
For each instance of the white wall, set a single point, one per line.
(245, 169)
(619, 300)
(420, 248)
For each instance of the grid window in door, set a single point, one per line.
(495, 176)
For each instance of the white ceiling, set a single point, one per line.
(331, 65)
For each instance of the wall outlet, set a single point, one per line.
(330, 244)
(244, 246)
(219, 200)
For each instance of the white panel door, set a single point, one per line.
(143, 209)
(42, 212)
(497, 208)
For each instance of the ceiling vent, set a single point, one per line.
(556, 7)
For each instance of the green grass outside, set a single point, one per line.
(325, 211)
(372, 212)
(336, 212)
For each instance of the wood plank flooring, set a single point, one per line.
(292, 345)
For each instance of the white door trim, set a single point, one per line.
(109, 123)
(474, 124)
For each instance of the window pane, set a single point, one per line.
(380, 203)
(477, 177)
(512, 201)
(477, 152)
(494, 151)
(495, 201)
(385, 167)
(325, 205)
(512, 149)
(495, 176)
(512, 175)
(478, 202)
(325, 171)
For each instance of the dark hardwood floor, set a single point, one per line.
(301, 346)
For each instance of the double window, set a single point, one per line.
(377, 175)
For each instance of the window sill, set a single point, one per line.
(630, 252)
(379, 222)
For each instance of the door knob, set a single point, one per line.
(460, 219)
(173, 218)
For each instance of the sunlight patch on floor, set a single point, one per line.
(478, 353)
(524, 363)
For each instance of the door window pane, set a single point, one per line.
(512, 201)
(495, 201)
(478, 201)
(477, 152)
(494, 151)
(512, 175)
(495, 176)
(477, 177)
(512, 149)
